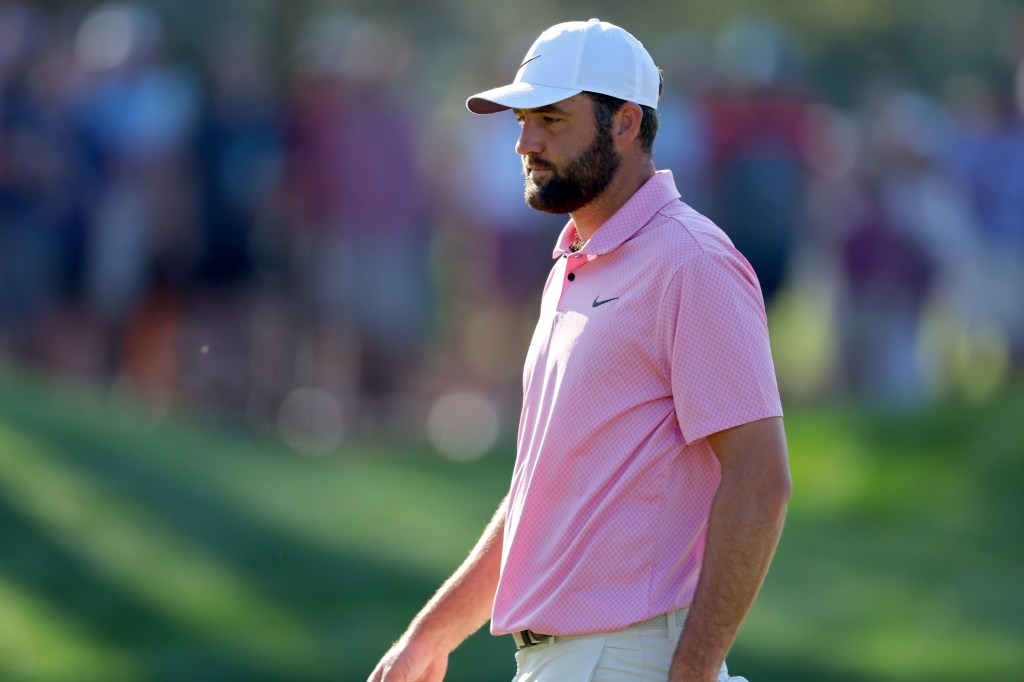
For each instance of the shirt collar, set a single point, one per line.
(627, 221)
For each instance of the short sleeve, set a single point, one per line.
(714, 341)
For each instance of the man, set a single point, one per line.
(651, 477)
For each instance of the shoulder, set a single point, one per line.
(683, 238)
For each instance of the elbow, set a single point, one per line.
(776, 491)
(777, 479)
(784, 490)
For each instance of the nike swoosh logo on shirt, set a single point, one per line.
(607, 300)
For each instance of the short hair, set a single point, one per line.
(605, 106)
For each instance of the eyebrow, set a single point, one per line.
(547, 109)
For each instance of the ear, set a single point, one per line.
(626, 124)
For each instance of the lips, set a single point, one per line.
(538, 176)
(535, 165)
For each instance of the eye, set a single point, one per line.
(550, 120)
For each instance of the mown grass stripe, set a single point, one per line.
(37, 641)
(130, 547)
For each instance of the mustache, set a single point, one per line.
(536, 163)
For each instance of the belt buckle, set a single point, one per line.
(528, 638)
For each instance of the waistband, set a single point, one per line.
(528, 638)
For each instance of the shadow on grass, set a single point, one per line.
(355, 604)
(52, 573)
(284, 567)
(351, 603)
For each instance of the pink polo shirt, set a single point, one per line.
(651, 338)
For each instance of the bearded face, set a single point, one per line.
(572, 184)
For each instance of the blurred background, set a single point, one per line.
(266, 287)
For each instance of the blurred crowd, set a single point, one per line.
(309, 248)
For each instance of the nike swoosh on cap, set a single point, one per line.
(529, 60)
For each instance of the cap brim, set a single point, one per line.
(517, 96)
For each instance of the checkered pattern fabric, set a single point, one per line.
(649, 339)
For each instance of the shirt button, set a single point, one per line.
(572, 276)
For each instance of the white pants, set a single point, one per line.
(630, 655)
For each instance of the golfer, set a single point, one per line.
(651, 477)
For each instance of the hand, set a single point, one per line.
(408, 662)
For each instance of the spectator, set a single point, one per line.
(357, 179)
(138, 115)
(755, 114)
(991, 162)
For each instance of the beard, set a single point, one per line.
(580, 181)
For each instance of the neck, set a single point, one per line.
(623, 186)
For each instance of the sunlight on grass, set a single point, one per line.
(419, 520)
(803, 340)
(321, 501)
(899, 562)
(830, 471)
(137, 552)
(843, 599)
(888, 568)
(37, 642)
(890, 651)
(412, 510)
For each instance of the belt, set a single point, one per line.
(528, 638)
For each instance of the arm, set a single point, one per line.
(743, 530)
(460, 608)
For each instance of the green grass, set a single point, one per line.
(132, 550)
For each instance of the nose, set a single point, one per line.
(529, 141)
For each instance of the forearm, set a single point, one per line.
(463, 603)
(743, 530)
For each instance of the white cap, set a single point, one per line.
(573, 57)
